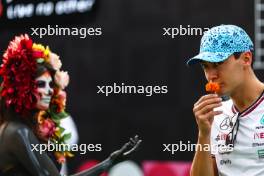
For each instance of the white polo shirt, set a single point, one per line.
(247, 157)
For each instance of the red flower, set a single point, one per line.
(47, 128)
(18, 72)
(38, 54)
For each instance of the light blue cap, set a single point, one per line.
(220, 42)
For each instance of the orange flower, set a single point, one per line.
(59, 99)
(212, 87)
(60, 157)
(41, 116)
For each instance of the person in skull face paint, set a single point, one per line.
(32, 105)
(45, 88)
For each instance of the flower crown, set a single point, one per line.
(19, 88)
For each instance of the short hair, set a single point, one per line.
(238, 54)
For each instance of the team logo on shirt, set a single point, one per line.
(221, 137)
(225, 161)
(225, 124)
(262, 120)
(259, 135)
(261, 153)
(255, 144)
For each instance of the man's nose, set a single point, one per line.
(212, 74)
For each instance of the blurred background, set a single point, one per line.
(132, 50)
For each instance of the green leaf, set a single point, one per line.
(66, 137)
(61, 129)
(55, 119)
(62, 115)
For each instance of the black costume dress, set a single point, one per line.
(18, 159)
(16, 155)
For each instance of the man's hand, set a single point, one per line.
(204, 112)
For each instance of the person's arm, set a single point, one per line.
(215, 166)
(203, 163)
(115, 157)
(19, 143)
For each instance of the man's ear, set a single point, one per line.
(247, 58)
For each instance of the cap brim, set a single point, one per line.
(209, 57)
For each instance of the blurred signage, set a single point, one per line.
(19, 9)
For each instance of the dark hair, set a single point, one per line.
(42, 68)
(238, 54)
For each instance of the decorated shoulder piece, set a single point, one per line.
(19, 88)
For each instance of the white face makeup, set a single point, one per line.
(45, 91)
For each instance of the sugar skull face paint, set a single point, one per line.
(45, 91)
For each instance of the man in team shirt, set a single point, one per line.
(234, 128)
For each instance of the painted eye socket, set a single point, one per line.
(41, 84)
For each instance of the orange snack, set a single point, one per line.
(212, 87)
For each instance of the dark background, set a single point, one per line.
(134, 51)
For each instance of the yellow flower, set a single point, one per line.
(45, 51)
(58, 132)
(38, 47)
(68, 154)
